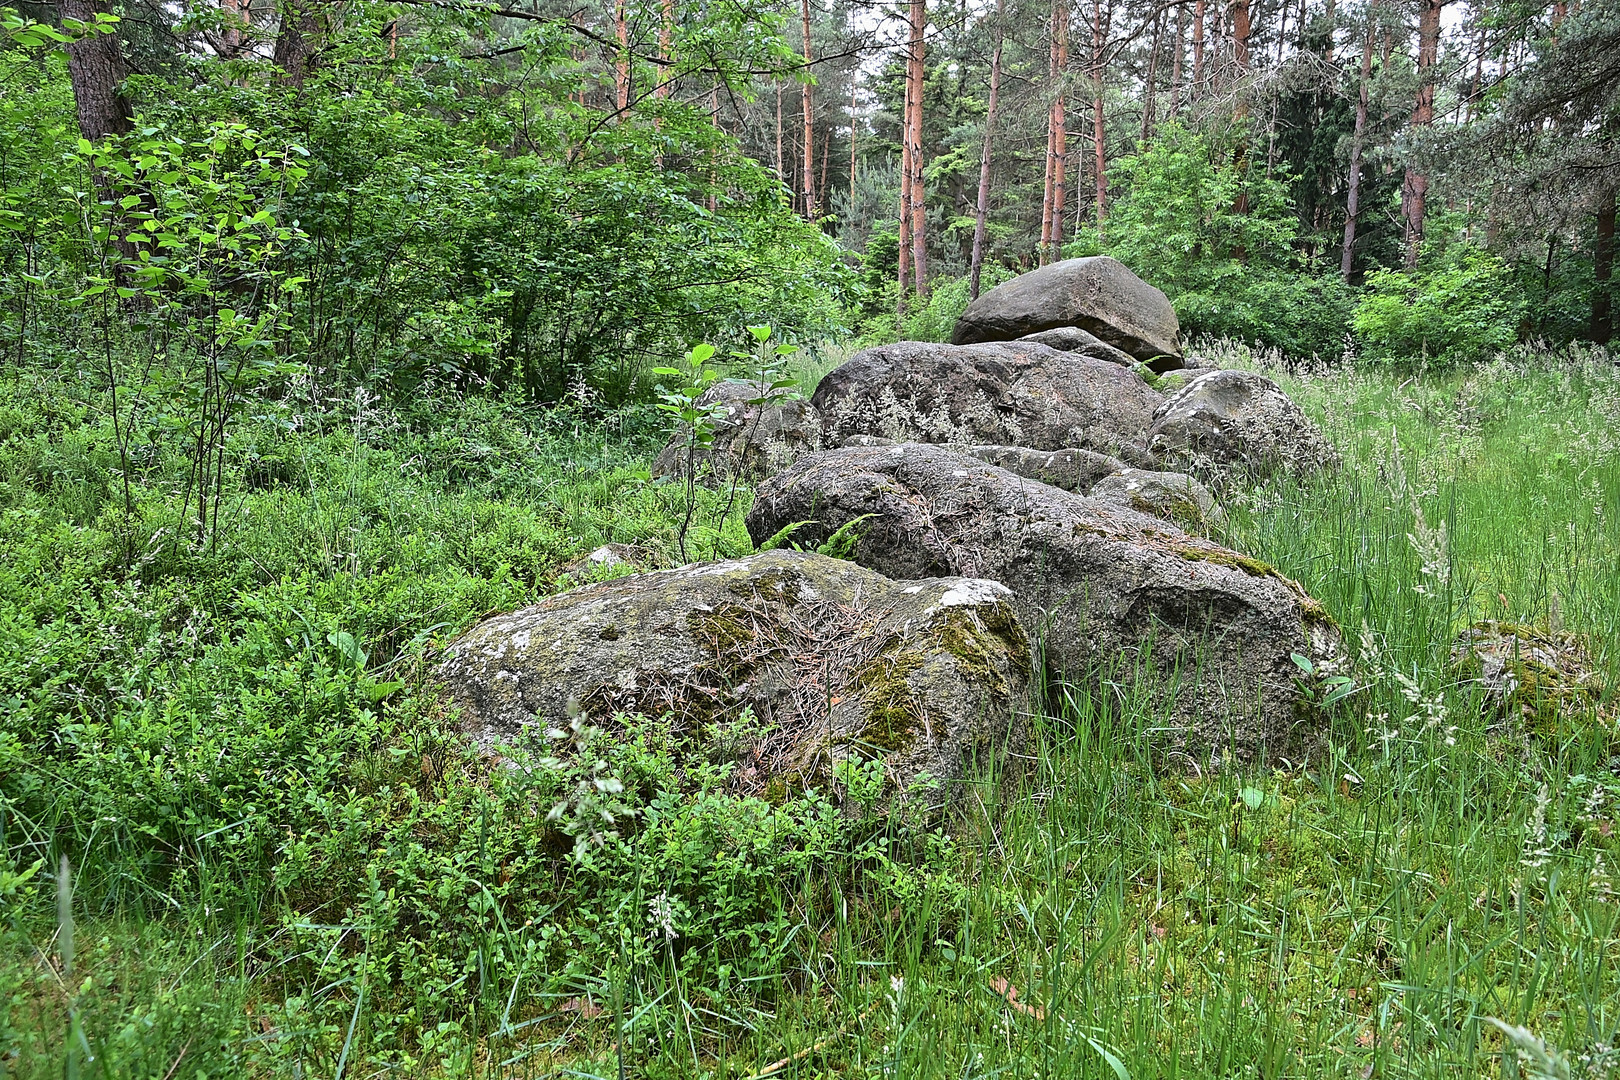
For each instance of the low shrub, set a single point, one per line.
(1455, 308)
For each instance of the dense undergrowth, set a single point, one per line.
(286, 863)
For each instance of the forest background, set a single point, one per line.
(556, 196)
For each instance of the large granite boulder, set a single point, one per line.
(1197, 639)
(1012, 393)
(835, 662)
(1175, 497)
(751, 440)
(1099, 295)
(1237, 420)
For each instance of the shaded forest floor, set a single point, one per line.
(287, 864)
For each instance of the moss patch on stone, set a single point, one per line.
(776, 587)
(1180, 509)
(1534, 673)
(1312, 613)
(892, 719)
(1220, 557)
(977, 640)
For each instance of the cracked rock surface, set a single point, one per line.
(1012, 393)
(1196, 637)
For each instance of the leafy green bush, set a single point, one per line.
(948, 298)
(1218, 237)
(1298, 314)
(1459, 307)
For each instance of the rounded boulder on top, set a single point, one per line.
(1099, 295)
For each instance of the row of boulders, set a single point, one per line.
(1011, 517)
(1021, 396)
(1057, 387)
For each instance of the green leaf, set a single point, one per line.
(1107, 1055)
(348, 647)
(1252, 797)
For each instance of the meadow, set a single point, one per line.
(241, 835)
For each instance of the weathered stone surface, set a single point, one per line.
(1012, 393)
(1175, 497)
(836, 661)
(1098, 294)
(1072, 339)
(1532, 673)
(759, 439)
(1069, 468)
(1200, 634)
(1237, 419)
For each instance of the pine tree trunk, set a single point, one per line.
(1047, 174)
(1240, 62)
(853, 122)
(1059, 124)
(621, 65)
(1175, 67)
(294, 52)
(826, 153)
(1151, 90)
(809, 121)
(1415, 188)
(1100, 162)
(233, 38)
(1352, 208)
(666, 48)
(1240, 36)
(904, 259)
(1603, 271)
(1198, 50)
(982, 206)
(919, 223)
(1046, 197)
(96, 68)
(1479, 63)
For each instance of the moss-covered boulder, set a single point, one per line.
(1006, 393)
(1196, 638)
(1175, 497)
(1534, 674)
(834, 661)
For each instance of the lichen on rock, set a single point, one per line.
(835, 661)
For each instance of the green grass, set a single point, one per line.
(289, 866)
